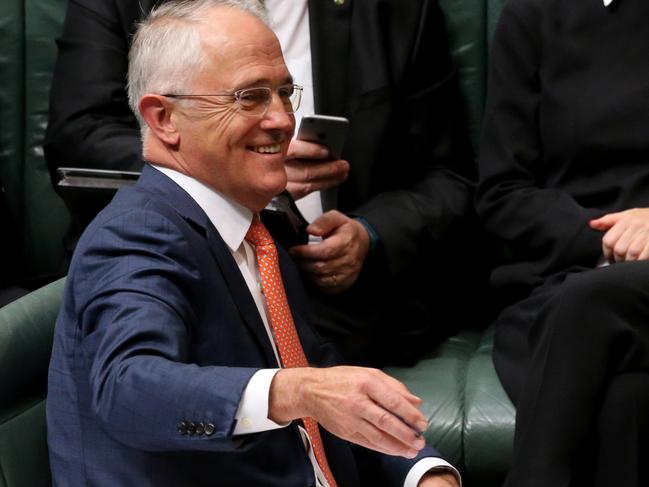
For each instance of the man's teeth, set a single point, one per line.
(267, 149)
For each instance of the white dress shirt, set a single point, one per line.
(232, 221)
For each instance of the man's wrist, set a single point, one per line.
(444, 470)
(440, 478)
(371, 233)
(285, 399)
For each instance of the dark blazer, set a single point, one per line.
(384, 64)
(565, 134)
(158, 328)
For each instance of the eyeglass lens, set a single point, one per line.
(257, 100)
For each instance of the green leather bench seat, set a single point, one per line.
(26, 330)
(471, 419)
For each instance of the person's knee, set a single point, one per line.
(596, 305)
(619, 286)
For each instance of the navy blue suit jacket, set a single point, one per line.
(158, 327)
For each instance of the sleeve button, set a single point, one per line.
(200, 429)
(209, 429)
(191, 429)
(182, 428)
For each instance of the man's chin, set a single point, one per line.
(263, 196)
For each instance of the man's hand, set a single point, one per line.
(361, 405)
(438, 479)
(334, 264)
(309, 169)
(627, 235)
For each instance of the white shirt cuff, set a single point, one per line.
(422, 467)
(252, 415)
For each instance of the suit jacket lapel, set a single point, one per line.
(239, 291)
(329, 25)
(156, 182)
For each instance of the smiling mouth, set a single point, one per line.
(266, 149)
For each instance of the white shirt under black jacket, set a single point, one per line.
(232, 221)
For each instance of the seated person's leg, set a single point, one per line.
(622, 434)
(592, 329)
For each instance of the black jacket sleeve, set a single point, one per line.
(539, 230)
(90, 123)
(432, 169)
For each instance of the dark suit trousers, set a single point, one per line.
(574, 357)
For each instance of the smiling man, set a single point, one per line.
(182, 353)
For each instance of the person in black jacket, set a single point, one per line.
(384, 279)
(564, 160)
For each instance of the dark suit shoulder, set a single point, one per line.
(136, 221)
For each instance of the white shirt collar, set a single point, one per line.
(607, 2)
(230, 219)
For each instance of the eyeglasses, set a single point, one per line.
(255, 101)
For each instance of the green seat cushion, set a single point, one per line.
(439, 380)
(23, 449)
(471, 419)
(26, 331)
(489, 419)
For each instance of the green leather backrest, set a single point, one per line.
(11, 111)
(46, 218)
(465, 25)
(28, 29)
(470, 25)
(26, 331)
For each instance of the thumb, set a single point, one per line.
(326, 223)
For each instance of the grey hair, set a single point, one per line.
(166, 53)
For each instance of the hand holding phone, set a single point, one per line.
(313, 162)
(325, 130)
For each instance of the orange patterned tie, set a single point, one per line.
(282, 325)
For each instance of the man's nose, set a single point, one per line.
(277, 117)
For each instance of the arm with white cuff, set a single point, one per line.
(252, 417)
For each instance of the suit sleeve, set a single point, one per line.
(90, 123)
(543, 226)
(436, 168)
(131, 292)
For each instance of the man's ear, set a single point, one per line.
(156, 111)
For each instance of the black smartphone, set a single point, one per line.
(326, 130)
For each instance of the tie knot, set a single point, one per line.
(258, 235)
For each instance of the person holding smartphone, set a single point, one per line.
(401, 185)
(394, 255)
